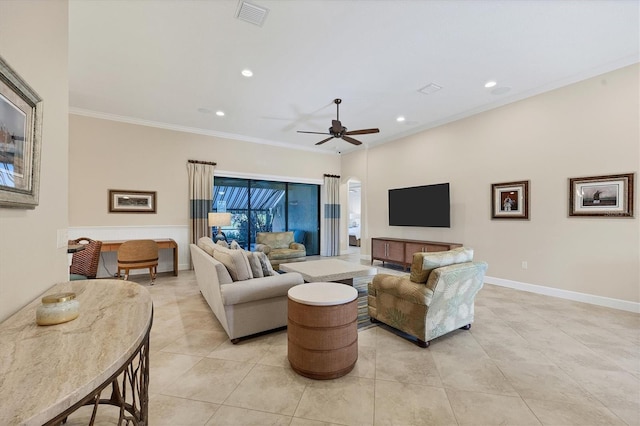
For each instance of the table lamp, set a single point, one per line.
(219, 220)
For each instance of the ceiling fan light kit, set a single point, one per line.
(337, 130)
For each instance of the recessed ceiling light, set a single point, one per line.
(489, 84)
(247, 73)
(220, 113)
(400, 119)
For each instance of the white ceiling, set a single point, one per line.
(173, 63)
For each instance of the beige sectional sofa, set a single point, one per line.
(244, 305)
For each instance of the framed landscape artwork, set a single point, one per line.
(124, 201)
(610, 196)
(510, 200)
(20, 140)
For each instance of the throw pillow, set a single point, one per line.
(424, 263)
(254, 262)
(236, 263)
(234, 245)
(222, 243)
(206, 244)
(267, 269)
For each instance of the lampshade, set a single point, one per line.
(219, 219)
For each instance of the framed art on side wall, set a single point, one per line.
(610, 195)
(510, 200)
(125, 201)
(20, 141)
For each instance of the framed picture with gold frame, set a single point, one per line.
(609, 195)
(510, 200)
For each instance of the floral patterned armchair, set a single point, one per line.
(280, 247)
(438, 296)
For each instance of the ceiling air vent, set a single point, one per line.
(251, 13)
(430, 88)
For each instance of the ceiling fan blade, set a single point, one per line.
(351, 140)
(323, 141)
(362, 132)
(314, 133)
(336, 126)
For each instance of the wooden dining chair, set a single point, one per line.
(138, 254)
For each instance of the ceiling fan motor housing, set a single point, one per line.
(337, 130)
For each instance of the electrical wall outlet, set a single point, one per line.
(63, 238)
(524, 264)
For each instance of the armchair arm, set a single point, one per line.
(403, 288)
(469, 274)
(297, 246)
(263, 248)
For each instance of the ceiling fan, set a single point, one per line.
(337, 130)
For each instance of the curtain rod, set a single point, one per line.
(333, 176)
(202, 162)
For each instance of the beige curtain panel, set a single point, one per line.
(200, 198)
(331, 229)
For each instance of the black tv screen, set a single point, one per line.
(426, 205)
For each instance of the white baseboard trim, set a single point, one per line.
(623, 305)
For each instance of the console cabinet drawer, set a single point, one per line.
(385, 250)
(411, 248)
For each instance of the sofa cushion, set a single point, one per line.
(234, 245)
(235, 261)
(258, 289)
(424, 263)
(254, 263)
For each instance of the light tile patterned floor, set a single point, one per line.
(528, 360)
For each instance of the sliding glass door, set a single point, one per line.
(267, 206)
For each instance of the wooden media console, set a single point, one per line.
(400, 251)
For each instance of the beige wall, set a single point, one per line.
(106, 154)
(586, 129)
(33, 40)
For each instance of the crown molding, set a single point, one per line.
(186, 129)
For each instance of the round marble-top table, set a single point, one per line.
(47, 372)
(322, 329)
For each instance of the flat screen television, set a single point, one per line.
(426, 206)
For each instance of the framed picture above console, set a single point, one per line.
(510, 200)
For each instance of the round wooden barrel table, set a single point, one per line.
(322, 329)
